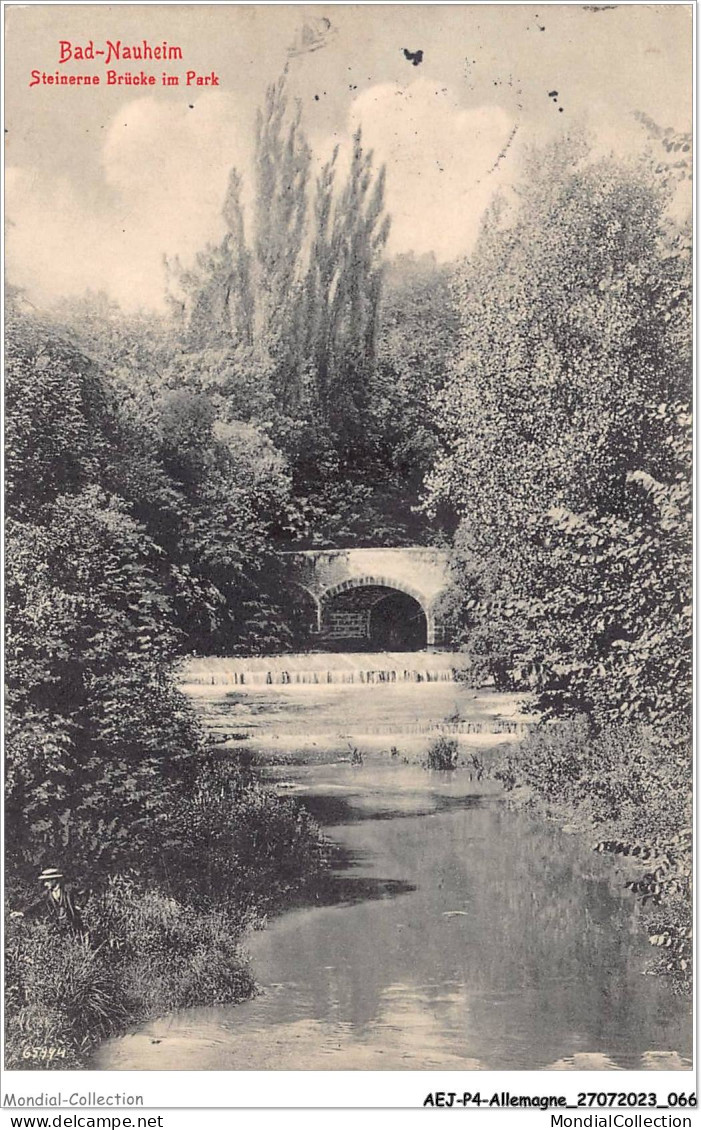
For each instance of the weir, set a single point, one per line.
(319, 669)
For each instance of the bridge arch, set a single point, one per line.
(421, 573)
(381, 591)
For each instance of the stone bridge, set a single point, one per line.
(380, 599)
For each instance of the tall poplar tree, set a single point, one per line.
(344, 283)
(302, 288)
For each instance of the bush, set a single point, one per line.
(234, 843)
(475, 671)
(442, 753)
(628, 775)
(147, 953)
(60, 993)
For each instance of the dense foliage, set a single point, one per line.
(565, 424)
(283, 323)
(127, 532)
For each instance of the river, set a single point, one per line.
(453, 932)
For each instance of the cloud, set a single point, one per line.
(53, 245)
(440, 160)
(166, 157)
(164, 171)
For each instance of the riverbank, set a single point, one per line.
(626, 790)
(64, 995)
(450, 932)
(233, 852)
(220, 855)
(162, 949)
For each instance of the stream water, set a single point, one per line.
(454, 933)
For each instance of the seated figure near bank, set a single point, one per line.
(56, 903)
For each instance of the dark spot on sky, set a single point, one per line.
(311, 37)
(190, 106)
(540, 28)
(552, 94)
(414, 57)
(316, 97)
(560, 110)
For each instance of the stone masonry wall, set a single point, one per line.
(347, 625)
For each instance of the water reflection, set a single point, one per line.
(339, 810)
(453, 934)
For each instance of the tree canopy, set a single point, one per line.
(564, 423)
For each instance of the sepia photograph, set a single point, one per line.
(348, 540)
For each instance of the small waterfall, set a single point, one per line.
(322, 668)
(336, 697)
(315, 678)
(488, 726)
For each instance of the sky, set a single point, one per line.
(103, 181)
